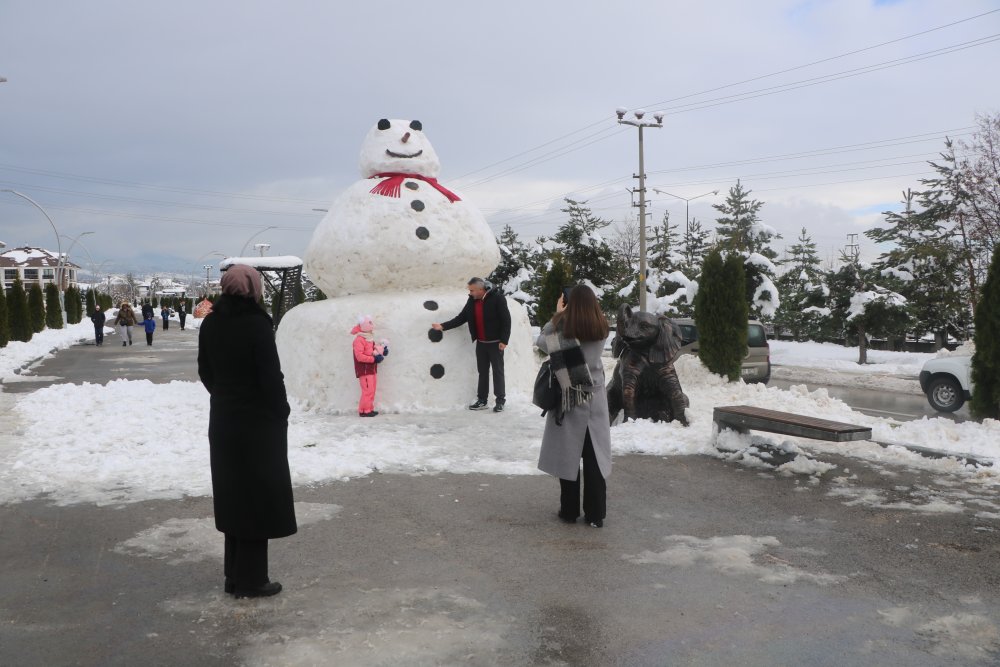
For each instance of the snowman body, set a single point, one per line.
(399, 247)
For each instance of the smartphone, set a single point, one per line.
(565, 294)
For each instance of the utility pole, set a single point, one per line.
(638, 122)
(852, 250)
(208, 270)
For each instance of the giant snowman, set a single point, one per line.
(398, 246)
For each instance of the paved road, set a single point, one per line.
(888, 404)
(703, 561)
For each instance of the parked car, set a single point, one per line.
(756, 365)
(947, 382)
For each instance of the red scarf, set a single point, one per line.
(390, 186)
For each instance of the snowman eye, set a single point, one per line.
(416, 125)
(383, 124)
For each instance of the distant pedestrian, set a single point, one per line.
(98, 318)
(367, 356)
(150, 325)
(165, 314)
(488, 318)
(247, 431)
(579, 427)
(124, 321)
(182, 312)
(147, 310)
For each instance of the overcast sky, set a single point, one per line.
(175, 131)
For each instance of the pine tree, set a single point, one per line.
(91, 302)
(720, 311)
(986, 359)
(924, 265)
(804, 292)
(18, 314)
(4, 318)
(53, 313)
(557, 275)
(694, 247)
(584, 250)
(36, 308)
(739, 229)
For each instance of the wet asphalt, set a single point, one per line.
(703, 561)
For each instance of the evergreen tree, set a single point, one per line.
(986, 359)
(557, 275)
(74, 307)
(804, 292)
(924, 265)
(4, 318)
(863, 308)
(36, 307)
(694, 246)
(18, 314)
(721, 313)
(514, 255)
(739, 229)
(588, 255)
(53, 313)
(155, 302)
(91, 302)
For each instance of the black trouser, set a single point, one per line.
(99, 334)
(149, 338)
(166, 324)
(490, 355)
(182, 317)
(595, 488)
(245, 562)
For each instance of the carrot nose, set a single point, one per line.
(406, 137)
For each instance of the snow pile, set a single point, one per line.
(17, 355)
(73, 456)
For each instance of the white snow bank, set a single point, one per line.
(72, 456)
(17, 355)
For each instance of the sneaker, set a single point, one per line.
(498, 407)
(479, 405)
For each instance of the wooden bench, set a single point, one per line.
(744, 418)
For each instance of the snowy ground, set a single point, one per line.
(62, 446)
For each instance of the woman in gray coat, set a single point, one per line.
(579, 428)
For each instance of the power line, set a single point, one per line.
(739, 83)
(160, 218)
(148, 186)
(155, 202)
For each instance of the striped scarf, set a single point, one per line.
(567, 362)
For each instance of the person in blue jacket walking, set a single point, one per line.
(150, 325)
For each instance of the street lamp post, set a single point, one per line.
(638, 122)
(62, 298)
(208, 270)
(687, 204)
(244, 248)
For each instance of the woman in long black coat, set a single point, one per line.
(247, 431)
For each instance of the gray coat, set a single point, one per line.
(562, 445)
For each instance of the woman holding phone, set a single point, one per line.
(574, 340)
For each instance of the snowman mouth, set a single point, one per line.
(391, 154)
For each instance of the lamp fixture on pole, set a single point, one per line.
(638, 120)
(262, 247)
(244, 248)
(208, 270)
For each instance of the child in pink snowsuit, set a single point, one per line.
(367, 356)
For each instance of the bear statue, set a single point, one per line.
(645, 382)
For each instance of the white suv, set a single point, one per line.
(947, 381)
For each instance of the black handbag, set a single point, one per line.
(547, 393)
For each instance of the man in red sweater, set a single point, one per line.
(489, 325)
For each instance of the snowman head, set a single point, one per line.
(398, 146)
